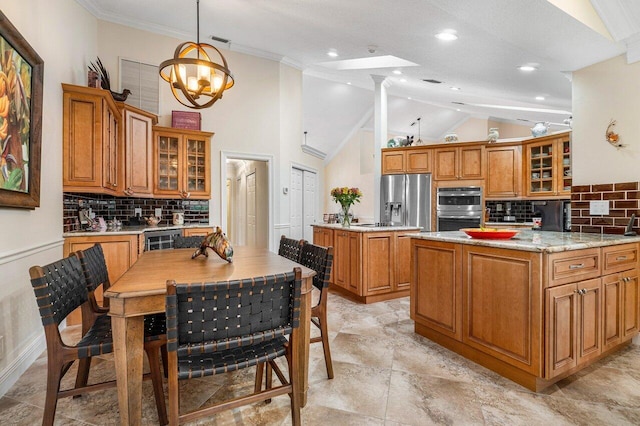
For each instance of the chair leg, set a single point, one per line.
(54, 375)
(269, 379)
(294, 395)
(83, 373)
(324, 332)
(259, 373)
(165, 363)
(156, 379)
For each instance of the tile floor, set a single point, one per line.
(385, 374)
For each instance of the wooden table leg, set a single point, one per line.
(128, 335)
(303, 336)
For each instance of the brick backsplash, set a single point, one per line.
(122, 208)
(623, 201)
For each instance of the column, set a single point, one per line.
(380, 135)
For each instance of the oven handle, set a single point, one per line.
(459, 194)
(459, 217)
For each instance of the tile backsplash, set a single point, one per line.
(623, 201)
(521, 209)
(122, 208)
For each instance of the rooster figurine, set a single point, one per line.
(105, 81)
(218, 242)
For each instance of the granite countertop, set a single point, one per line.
(132, 230)
(538, 241)
(362, 227)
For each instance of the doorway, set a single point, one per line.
(246, 210)
(303, 203)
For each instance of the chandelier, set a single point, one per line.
(195, 80)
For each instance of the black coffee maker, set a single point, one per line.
(555, 214)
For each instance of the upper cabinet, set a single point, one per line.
(504, 171)
(406, 160)
(459, 162)
(548, 167)
(91, 141)
(138, 151)
(182, 163)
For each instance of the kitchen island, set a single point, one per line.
(535, 308)
(370, 263)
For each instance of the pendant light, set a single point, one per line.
(196, 81)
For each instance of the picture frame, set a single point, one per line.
(21, 78)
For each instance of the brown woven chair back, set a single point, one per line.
(187, 242)
(290, 248)
(320, 259)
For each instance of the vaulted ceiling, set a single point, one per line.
(495, 37)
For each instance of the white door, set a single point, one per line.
(251, 209)
(296, 200)
(308, 204)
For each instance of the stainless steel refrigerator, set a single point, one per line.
(406, 200)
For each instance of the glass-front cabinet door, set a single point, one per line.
(168, 161)
(548, 167)
(197, 170)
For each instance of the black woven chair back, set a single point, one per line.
(94, 267)
(187, 242)
(207, 317)
(320, 259)
(290, 248)
(60, 290)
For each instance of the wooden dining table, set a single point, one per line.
(142, 289)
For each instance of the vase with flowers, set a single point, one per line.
(346, 197)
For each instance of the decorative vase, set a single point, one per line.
(346, 219)
(540, 129)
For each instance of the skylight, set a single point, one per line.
(386, 61)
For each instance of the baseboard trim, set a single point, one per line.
(18, 366)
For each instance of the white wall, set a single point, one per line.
(601, 92)
(347, 169)
(64, 35)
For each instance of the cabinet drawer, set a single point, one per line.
(573, 266)
(619, 258)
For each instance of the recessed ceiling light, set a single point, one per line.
(403, 80)
(458, 109)
(455, 88)
(332, 53)
(447, 35)
(397, 72)
(527, 68)
(539, 98)
(349, 83)
(409, 97)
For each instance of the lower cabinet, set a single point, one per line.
(371, 266)
(532, 317)
(120, 252)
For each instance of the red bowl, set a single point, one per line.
(490, 233)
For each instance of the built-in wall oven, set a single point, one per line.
(459, 208)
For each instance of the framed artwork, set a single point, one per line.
(21, 74)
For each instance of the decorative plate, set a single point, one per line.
(490, 233)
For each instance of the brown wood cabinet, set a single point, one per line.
(369, 266)
(197, 232)
(533, 317)
(138, 151)
(182, 163)
(504, 171)
(459, 162)
(547, 167)
(120, 252)
(90, 141)
(406, 160)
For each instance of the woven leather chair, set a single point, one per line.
(320, 259)
(60, 288)
(218, 327)
(187, 242)
(290, 248)
(94, 268)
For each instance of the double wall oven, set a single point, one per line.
(459, 208)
